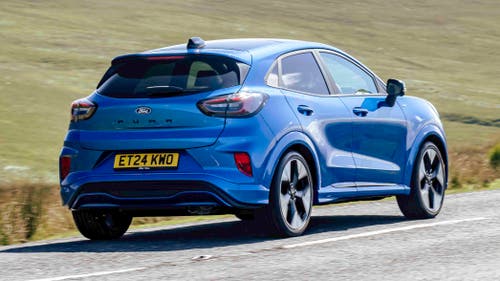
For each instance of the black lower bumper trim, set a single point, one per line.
(149, 195)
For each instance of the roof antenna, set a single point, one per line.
(195, 43)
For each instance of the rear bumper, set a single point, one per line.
(144, 192)
(205, 175)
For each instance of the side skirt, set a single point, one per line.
(361, 191)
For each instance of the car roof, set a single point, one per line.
(244, 50)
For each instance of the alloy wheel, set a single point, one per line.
(295, 194)
(431, 180)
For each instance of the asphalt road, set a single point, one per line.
(365, 241)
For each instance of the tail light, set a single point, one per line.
(64, 166)
(242, 160)
(82, 109)
(234, 105)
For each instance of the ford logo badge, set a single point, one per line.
(143, 110)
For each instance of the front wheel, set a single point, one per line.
(428, 185)
(101, 225)
(291, 197)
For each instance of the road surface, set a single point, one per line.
(363, 241)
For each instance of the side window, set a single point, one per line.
(301, 73)
(272, 77)
(349, 77)
(382, 86)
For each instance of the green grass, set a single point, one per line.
(494, 185)
(52, 53)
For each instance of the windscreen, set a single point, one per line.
(171, 76)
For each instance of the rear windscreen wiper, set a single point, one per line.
(158, 91)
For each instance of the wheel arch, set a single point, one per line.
(441, 146)
(428, 134)
(295, 141)
(308, 156)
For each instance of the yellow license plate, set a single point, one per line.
(146, 160)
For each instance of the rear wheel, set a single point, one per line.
(291, 198)
(101, 225)
(428, 185)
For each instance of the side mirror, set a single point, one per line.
(395, 88)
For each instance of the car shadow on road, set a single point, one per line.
(208, 235)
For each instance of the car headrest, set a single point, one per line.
(208, 78)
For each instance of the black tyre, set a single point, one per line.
(101, 225)
(291, 197)
(428, 185)
(245, 216)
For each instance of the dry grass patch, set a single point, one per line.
(30, 211)
(470, 165)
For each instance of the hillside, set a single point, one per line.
(52, 53)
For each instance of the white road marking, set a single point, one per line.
(304, 244)
(89, 274)
(202, 258)
(378, 232)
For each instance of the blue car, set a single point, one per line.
(260, 128)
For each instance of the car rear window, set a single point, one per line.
(171, 76)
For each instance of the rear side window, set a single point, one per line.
(171, 76)
(301, 73)
(272, 77)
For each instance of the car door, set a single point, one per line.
(378, 130)
(323, 117)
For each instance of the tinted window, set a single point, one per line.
(381, 86)
(272, 77)
(301, 73)
(350, 79)
(169, 76)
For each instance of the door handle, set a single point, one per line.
(305, 110)
(359, 111)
